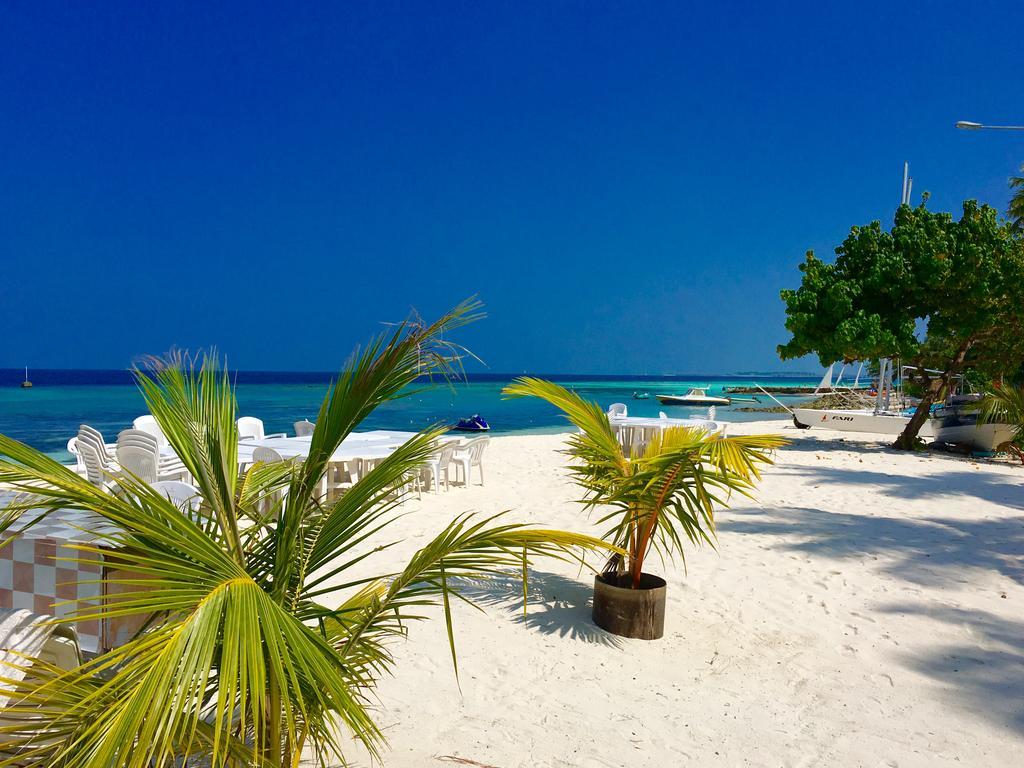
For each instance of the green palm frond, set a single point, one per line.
(383, 371)
(255, 641)
(1004, 404)
(468, 548)
(665, 498)
(195, 408)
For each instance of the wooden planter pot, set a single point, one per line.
(637, 613)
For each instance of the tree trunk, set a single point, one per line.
(905, 441)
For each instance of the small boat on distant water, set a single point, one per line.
(696, 396)
(474, 423)
(26, 383)
(641, 395)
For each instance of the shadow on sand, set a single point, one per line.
(954, 481)
(984, 673)
(936, 551)
(557, 605)
(807, 442)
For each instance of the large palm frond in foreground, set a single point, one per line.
(659, 500)
(259, 639)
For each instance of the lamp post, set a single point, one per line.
(968, 125)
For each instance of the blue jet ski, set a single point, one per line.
(474, 423)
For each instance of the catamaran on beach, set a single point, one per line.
(955, 421)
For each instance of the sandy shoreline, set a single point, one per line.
(865, 611)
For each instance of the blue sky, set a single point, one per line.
(626, 185)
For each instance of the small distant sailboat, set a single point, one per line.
(26, 383)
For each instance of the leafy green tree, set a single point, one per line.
(1016, 208)
(262, 640)
(933, 291)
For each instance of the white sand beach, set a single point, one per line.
(866, 610)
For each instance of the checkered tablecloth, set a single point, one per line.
(39, 570)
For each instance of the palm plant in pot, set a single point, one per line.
(266, 618)
(656, 501)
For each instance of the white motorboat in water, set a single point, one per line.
(696, 396)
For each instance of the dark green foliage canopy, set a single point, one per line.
(927, 290)
(1016, 208)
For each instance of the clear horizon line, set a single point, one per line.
(20, 369)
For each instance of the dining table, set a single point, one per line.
(650, 422)
(374, 444)
(41, 567)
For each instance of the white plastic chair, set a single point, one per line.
(342, 475)
(73, 450)
(263, 455)
(138, 460)
(25, 636)
(182, 495)
(251, 428)
(635, 439)
(167, 468)
(304, 428)
(97, 470)
(617, 411)
(95, 456)
(438, 464)
(138, 437)
(107, 449)
(469, 455)
(148, 424)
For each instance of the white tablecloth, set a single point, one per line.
(376, 444)
(641, 421)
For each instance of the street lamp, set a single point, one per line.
(968, 125)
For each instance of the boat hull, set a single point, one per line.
(693, 401)
(959, 426)
(857, 421)
(986, 437)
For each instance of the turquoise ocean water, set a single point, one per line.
(48, 414)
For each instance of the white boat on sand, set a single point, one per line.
(954, 423)
(856, 420)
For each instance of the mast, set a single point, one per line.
(826, 380)
(884, 385)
